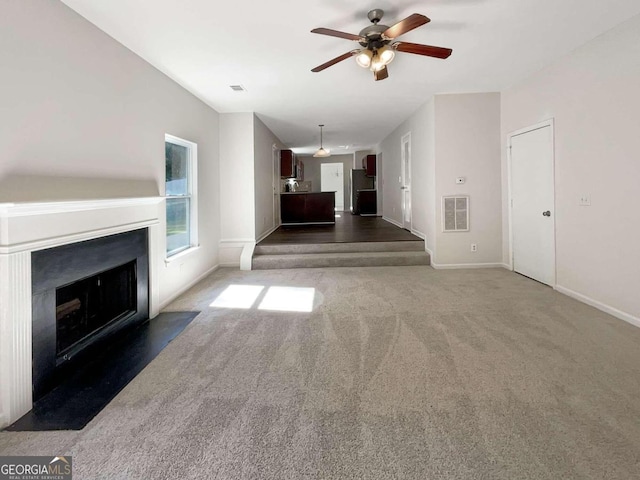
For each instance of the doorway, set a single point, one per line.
(275, 183)
(532, 202)
(406, 181)
(332, 180)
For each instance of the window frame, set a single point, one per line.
(192, 194)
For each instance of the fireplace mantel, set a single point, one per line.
(28, 227)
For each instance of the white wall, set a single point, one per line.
(421, 126)
(594, 96)
(264, 141)
(237, 211)
(451, 136)
(467, 144)
(82, 116)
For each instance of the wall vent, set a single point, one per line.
(455, 213)
(238, 88)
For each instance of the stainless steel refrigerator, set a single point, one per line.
(359, 181)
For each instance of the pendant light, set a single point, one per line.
(321, 151)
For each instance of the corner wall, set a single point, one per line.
(84, 117)
(467, 144)
(237, 212)
(594, 98)
(266, 192)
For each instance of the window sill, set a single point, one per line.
(181, 254)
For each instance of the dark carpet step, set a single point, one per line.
(351, 259)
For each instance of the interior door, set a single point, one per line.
(532, 203)
(406, 181)
(276, 185)
(332, 180)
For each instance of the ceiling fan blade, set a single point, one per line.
(336, 33)
(426, 50)
(342, 57)
(406, 25)
(381, 74)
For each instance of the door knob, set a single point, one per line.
(546, 214)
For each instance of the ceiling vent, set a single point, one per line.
(238, 88)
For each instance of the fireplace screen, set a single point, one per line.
(85, 307)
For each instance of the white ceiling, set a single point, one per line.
(267, 47)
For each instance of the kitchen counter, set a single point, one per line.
(301, 208)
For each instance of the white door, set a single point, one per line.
(332, 180)
(276, 185)
(532, 203)
(406, 181)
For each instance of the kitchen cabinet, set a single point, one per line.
(367, 202)
(369, 165)
(287, 164)
(303, 208)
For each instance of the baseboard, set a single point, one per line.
(188, 286)
(397, 224)
(627, 317)
(455, 266)
(418, 233)
(507, 266)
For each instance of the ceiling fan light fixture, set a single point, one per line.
(386, 55)
(363, 58)
(376, 64)
(321, 151)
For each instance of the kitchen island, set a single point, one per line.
(303, 208)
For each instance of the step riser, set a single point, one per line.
(356, 261)
(408, 246)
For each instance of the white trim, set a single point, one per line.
(627, 317)
(181, 254)
(192, 182)
(246, 256)
(455, 266)
(188, 286)
(76, 237)
(406, 138)
(418, 233)
(11, 210)
(547, 123)
(397, 224)
(230, 264)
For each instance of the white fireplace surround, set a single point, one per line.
(27, 227)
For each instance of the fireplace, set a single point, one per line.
(83, 295)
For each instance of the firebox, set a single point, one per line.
(86, 306)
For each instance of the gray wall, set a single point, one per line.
(84, 117)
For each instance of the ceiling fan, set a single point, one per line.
(378, 45)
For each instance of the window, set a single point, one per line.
(180, 192)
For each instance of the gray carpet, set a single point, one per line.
(399, 372)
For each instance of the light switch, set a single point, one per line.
(459, 180)
(585, 200)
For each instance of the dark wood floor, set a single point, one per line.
(348, 228)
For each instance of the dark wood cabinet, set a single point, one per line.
(369, 165)
(367, 202)
(300, 208)
(287, 164)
